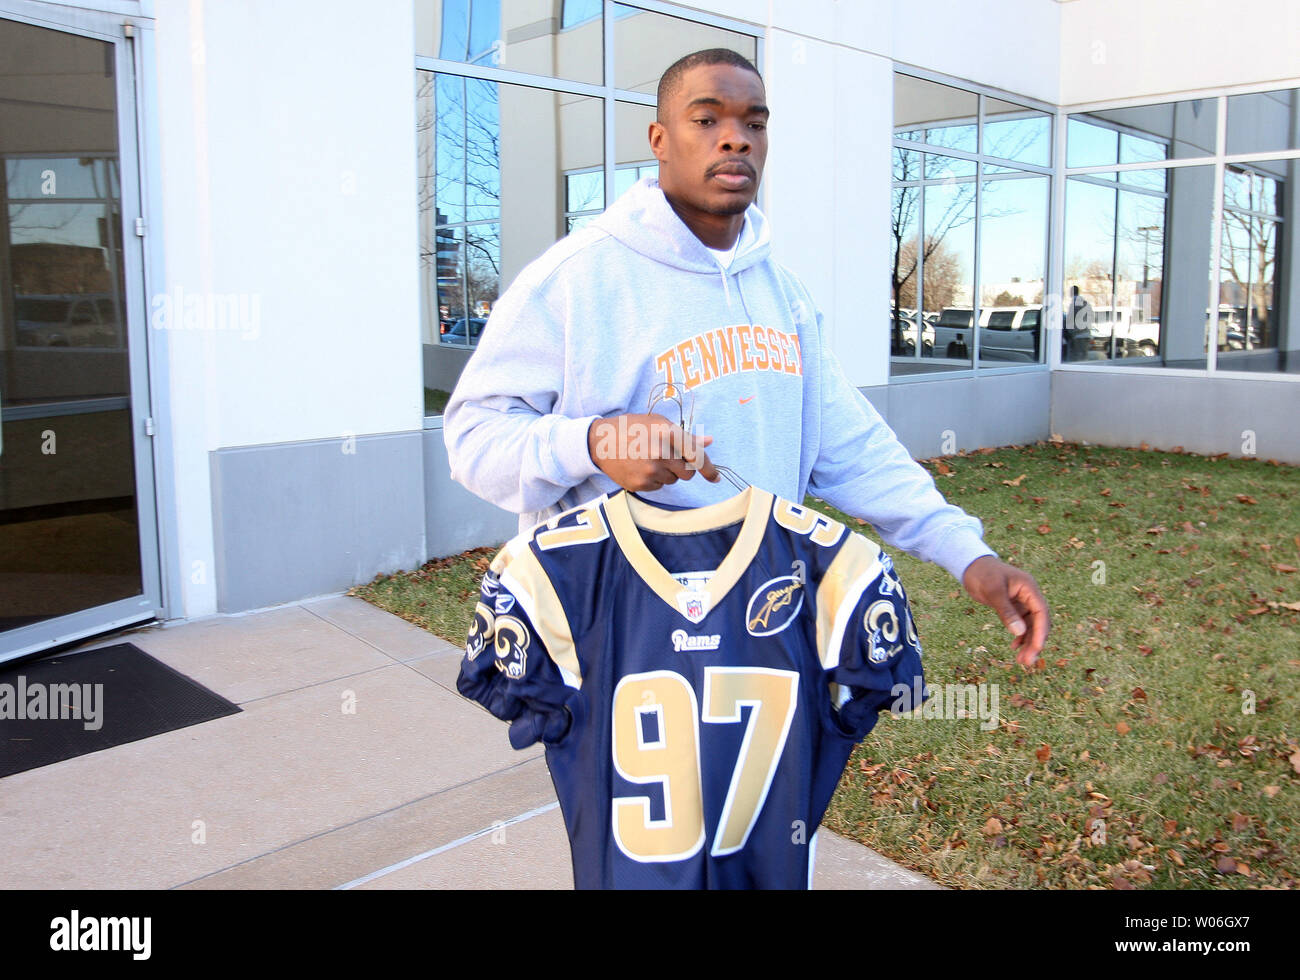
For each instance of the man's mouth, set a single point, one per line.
(733, 176)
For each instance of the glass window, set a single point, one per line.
(936, 307)
(940, 115)
(519, 36)
(1256, 330)
(948, 271)
(903, 277)
(1122, 246)
(1171, 131)
(487, 207)
(646, 43)
(1013, 264)
(1013, 132)
(1264, 122)
(575, 12)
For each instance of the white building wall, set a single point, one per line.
(1118, 49)
(1010, 44)
(827, 188)
(288, 172)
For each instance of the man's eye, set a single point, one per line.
(703, 122)
(758, 125)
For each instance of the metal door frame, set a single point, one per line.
(119, 22)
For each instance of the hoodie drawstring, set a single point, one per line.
(741, 289)
(726, 291)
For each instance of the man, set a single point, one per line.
(673, 287)
(1077, 336)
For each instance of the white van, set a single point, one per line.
(1007, 333)
(1123, 332)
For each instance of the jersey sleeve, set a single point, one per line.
(879, 665)
(514, 657)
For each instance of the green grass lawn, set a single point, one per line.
(1156, 744)
(435, 400)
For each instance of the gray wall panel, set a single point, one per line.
(293, 520)
(991, 410)
(1203, 415)
(455, 518)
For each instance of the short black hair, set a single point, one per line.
(671, 79)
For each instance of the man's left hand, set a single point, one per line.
(1014, 595)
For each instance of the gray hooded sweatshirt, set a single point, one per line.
(633, 300)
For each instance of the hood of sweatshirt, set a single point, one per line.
(643, 220)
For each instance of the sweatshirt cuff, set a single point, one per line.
(569, 449)
(960, 548)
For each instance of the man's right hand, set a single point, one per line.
(647, 452)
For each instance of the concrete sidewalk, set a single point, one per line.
(415, 787)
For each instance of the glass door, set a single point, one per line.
(76, 478)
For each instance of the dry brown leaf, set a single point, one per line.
(1043, 753)
(1015, 482)
(1245, 498)
(1122, 728)
(992, 827)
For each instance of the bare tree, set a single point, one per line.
(1250, 249)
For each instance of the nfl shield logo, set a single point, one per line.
(694, 609)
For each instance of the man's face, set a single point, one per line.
(712, 143)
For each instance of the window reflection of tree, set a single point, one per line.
(1249, 255)
(1015, 136)
(943, 266)
(462, 117)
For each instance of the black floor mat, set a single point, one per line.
(106, 697)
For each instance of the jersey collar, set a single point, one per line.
(626, 512)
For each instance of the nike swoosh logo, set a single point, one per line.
(746, 401)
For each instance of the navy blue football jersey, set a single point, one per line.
(698, 678)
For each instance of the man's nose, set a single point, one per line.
(734, 139)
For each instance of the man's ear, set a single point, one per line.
(658, 135)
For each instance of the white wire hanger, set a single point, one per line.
(666, 391)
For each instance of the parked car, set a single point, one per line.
(66, 320)
(1011, 333)
(953, 332)
(902, 338)
(1007, 333)
(455, 334)
(1123, 332)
